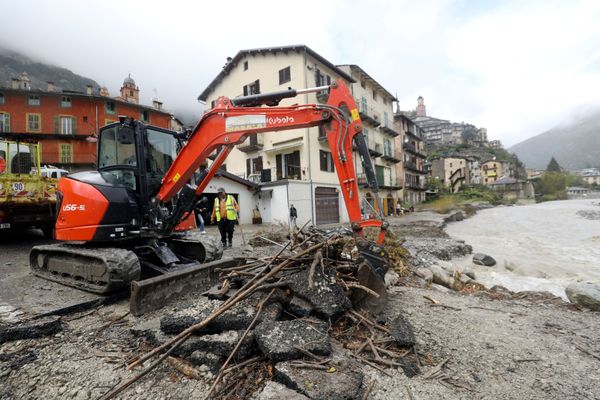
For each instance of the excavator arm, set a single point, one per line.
(231, 121)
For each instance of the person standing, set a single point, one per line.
(225, 212)
(201, 208)
(293, 216)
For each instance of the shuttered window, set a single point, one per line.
(285, 75)
(65, 153)
(34, 122)
(65, 125)
(252, 88)
(4, 122)
(326, 161)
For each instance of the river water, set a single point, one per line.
(541, 247)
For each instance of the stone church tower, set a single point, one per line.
(421, 110)
(129, 91)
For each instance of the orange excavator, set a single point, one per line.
(120, 222)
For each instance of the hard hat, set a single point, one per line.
(221, 190)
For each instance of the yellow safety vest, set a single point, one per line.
(231, 213)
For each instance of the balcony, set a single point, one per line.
(412, 166)
(390, 183)
(367, 114)
(410, 147)
(389, 128)
(374, 148)
(415, 184)
(254, 142)
(273, 174)
(390, 155)
(385, 183)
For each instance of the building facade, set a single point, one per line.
(65, 123)
(451, 171)
(413, 160)
(296, 166)
(492, 170)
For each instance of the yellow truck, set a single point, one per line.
(27, 198)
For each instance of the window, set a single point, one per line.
(288, 166)
(326, 161)
(363, 84)
(110, 107)
(65, 101)
(387, 148)
(4, 122)
(245, 65)
(253, 166)
(322, 78)
(34, 122)
(144, 116)
(374, 94)
(65, 125)
(1, 98)
(252, 88)
(285, 75)
(65, 153)
(85, 119)
(131, 92)
(33, 100)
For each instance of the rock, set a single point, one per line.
(437, 248)
(149, 330)
(469, 272)
(402, 331)
(220, 344)
(278, 339)
(327, 296)
(237, 318)
(208, 359)
(483, 259)
(30, 329)
(345, 383)
(586, 294)
(425, 273)
(300, 307)
(410, 367)
(464, 279)
(455, 217)
(391, 278)
(276, 391)
(441, 276)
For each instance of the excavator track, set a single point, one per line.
(99, 270)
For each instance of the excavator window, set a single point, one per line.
(161, 150)
(117, 159)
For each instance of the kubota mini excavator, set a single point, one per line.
(121, 220)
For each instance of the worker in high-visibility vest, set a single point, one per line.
(225, 212)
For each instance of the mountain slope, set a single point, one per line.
(12, 64)
(575, 145)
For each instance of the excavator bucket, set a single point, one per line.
(372, 267)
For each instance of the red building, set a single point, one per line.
(65, 122)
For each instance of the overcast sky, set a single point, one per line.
(515, 67)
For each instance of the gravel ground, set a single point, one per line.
(531, 348)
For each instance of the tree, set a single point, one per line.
(469, 134)
(553, 166)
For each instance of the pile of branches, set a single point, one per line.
(325, 258)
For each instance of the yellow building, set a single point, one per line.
(491, 171)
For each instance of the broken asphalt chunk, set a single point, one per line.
(280, 340)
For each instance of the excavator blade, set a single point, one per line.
(154, 293)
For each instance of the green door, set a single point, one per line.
(379, 175)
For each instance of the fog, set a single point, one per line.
(515, 68)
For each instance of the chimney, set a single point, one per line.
(14, 83)
(157, 104)
(50, 86)
(88, 89)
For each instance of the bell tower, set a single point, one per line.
(129, 91)
(421, 110)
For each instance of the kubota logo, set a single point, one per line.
(280, 120)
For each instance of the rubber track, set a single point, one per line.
(119, 266)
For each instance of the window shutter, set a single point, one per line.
(246, 90)
(248, 171)
(280, 76)
(257, 87)
(259, 164)
(74, 127)
(279, 164)
(7, 122)
(56, 124)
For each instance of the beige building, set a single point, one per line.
(492, 170)
(295, 167)
(412, 167)
(451, 171)
(375, 106)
